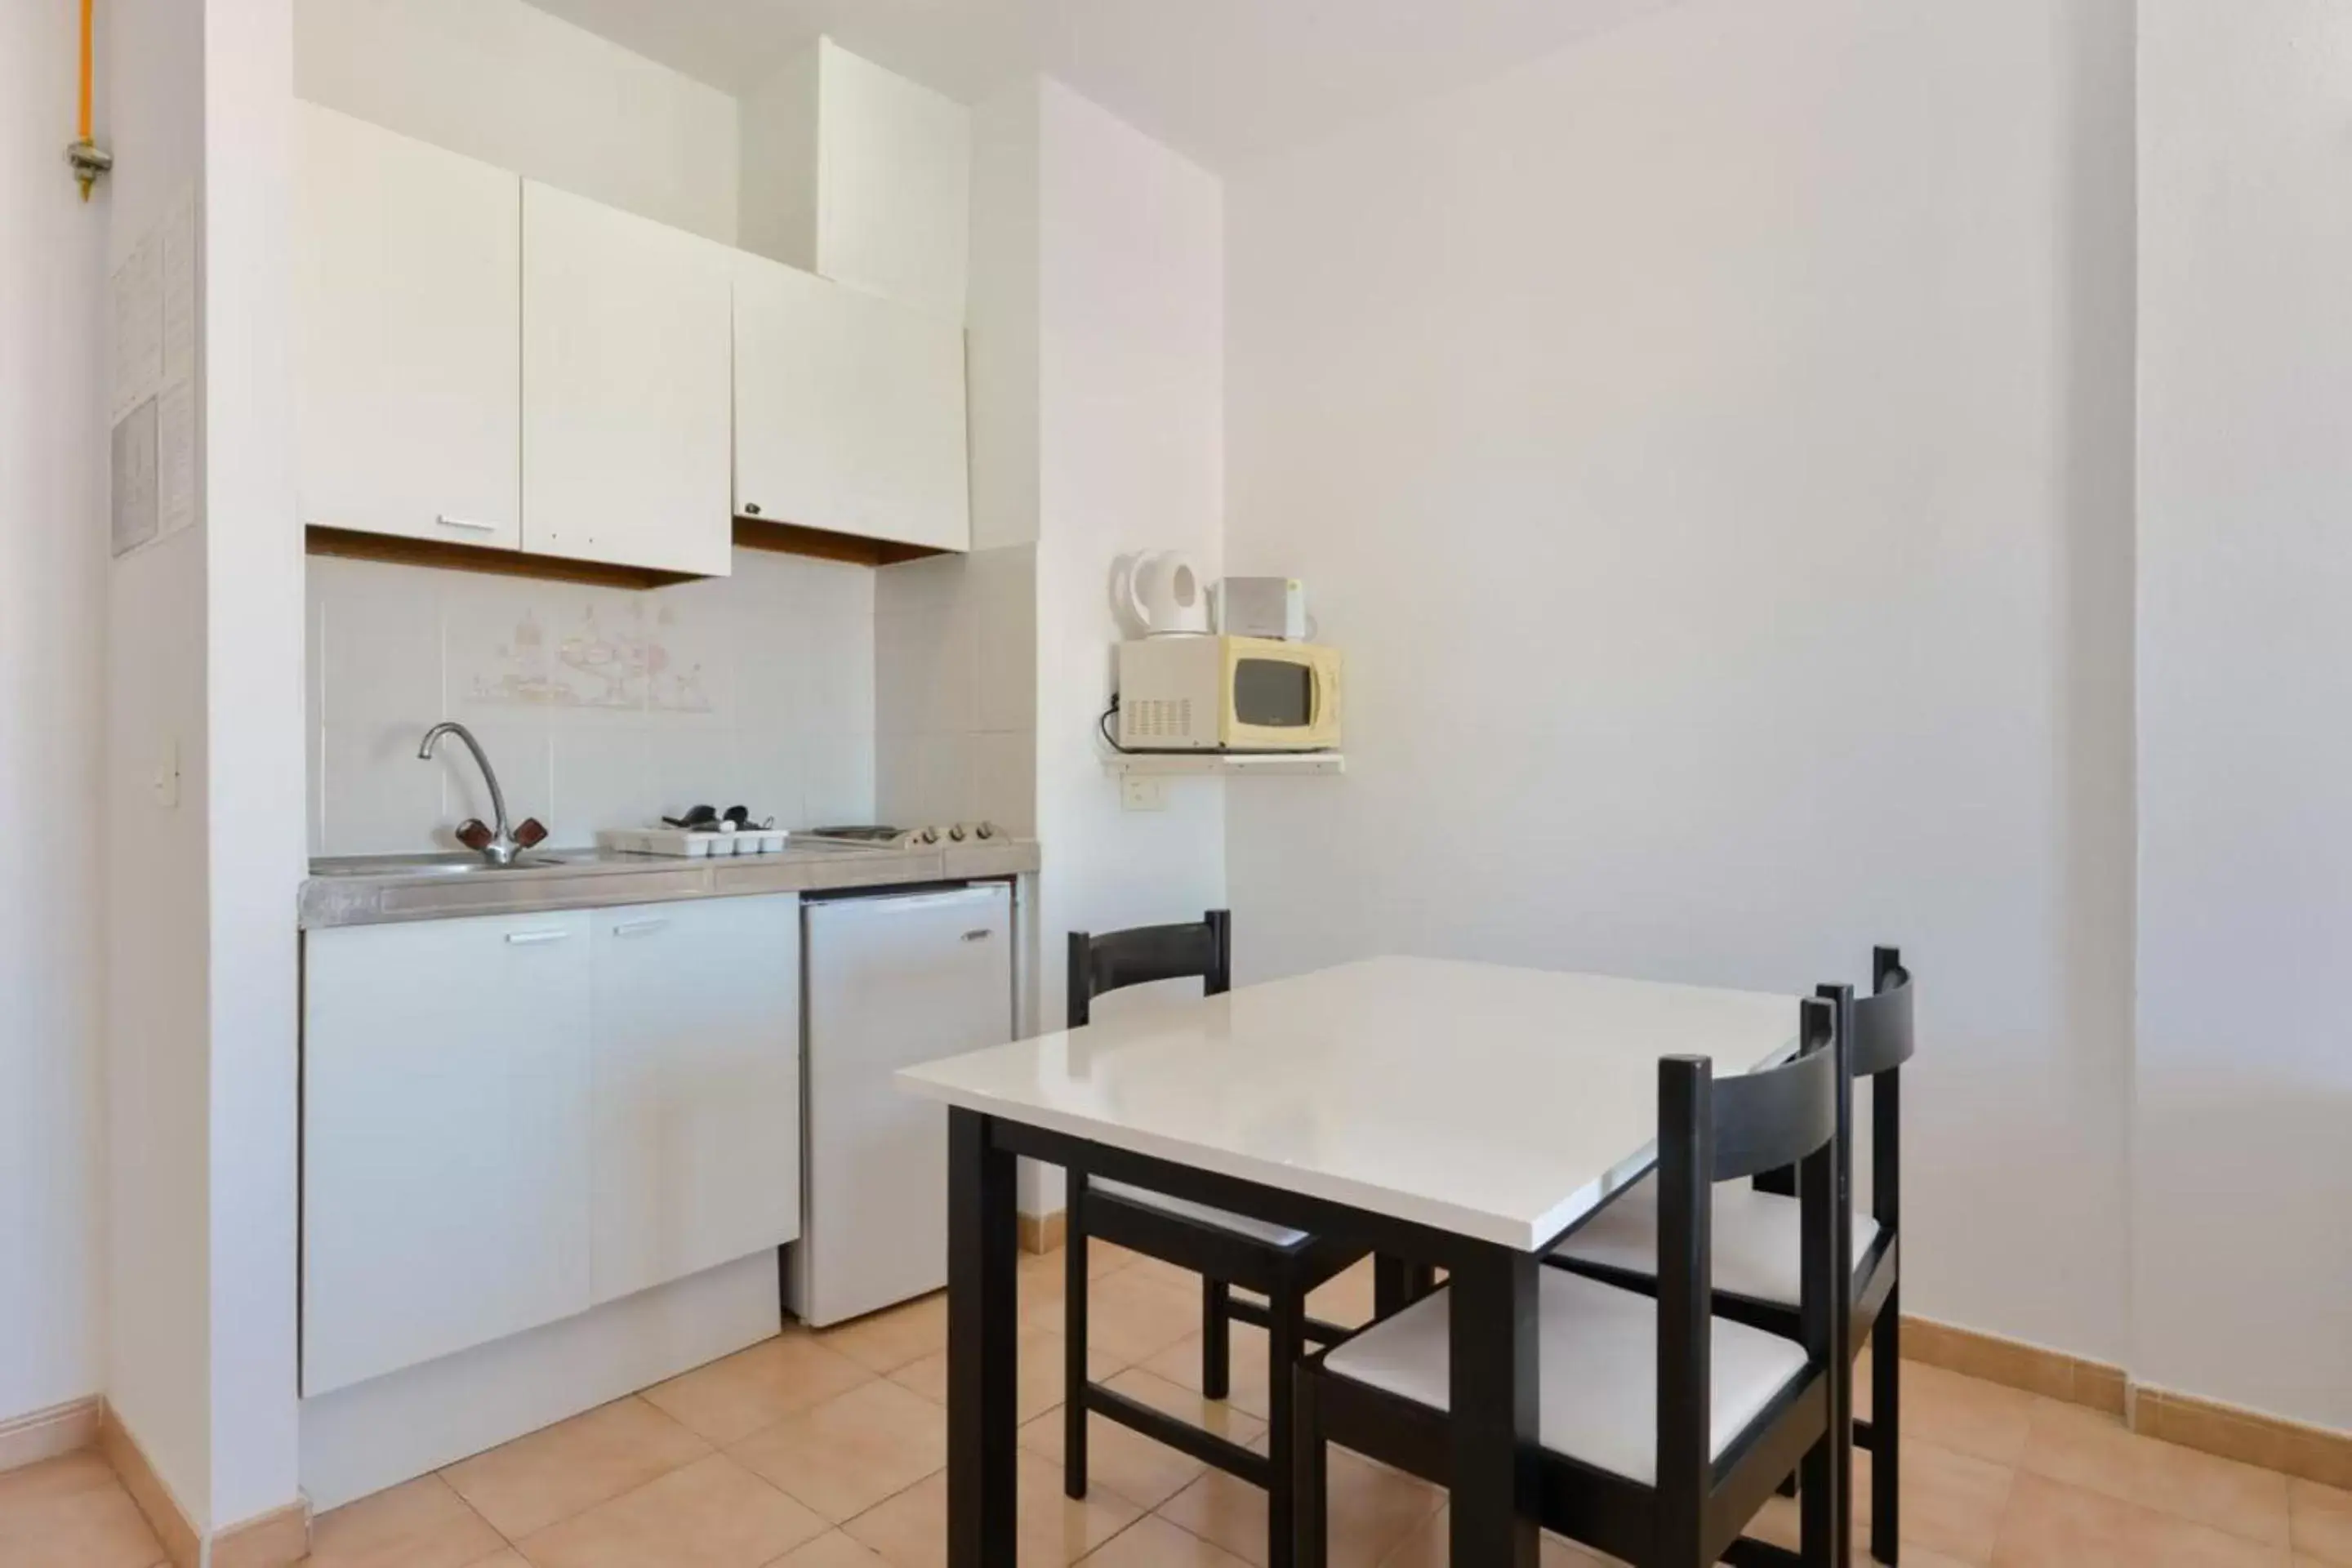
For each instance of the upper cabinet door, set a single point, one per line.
(849, 411)
(407, 321)
(627, 337)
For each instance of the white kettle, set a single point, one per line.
(1166, 595)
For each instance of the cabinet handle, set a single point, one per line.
(445, 520)
(640, 928)
(534, 937)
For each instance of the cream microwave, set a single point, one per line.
(1228, 694)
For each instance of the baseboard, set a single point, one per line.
(164, 1515)
(2249, 1436)
(271, 1540)
(45, 1434)
(2314, 1453)
(1044, 1232)
(2053, 1374)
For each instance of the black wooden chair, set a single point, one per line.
(1756, 1249)
(1663, 1424)
(1227, 1250)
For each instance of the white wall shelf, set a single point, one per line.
(1284, 764)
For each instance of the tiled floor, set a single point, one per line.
(824, 1451)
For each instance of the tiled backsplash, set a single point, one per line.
(955, 640)
(600, 707)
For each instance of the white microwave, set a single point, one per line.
(1228, 694)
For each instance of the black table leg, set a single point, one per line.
(1397, 1284)
(1497, 1472)
(982, 1309)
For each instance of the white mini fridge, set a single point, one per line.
(891, 979)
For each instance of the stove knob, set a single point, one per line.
(926, 836)
(984, 830)
(955, 834)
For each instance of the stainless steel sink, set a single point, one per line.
(458, 863)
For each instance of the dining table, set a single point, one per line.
(1456, 1115)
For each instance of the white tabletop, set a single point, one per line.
(1495, 1102)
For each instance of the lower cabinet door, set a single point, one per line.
(697, 1154)
(446, 1134)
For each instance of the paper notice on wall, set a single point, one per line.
(138, 326)
(178, 261)
(154, 395)
(176, 456)
(133, 476)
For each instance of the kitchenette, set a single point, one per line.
(617, 516)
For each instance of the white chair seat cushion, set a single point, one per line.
(1598, 1401)
(1758, 1240)
(1223, 1219)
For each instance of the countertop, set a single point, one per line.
(358, 893)
(1495, 1102)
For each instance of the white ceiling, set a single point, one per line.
(1221, 80)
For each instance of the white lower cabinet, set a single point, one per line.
(695, 1088)
(444, 1138)
(508, 1120)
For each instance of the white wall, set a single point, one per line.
(599, 707)
(2244, 1174)
(1711, 445)
(1130, 376)
(158, 999)
(501, 81)
(253, 678)
(52, 647)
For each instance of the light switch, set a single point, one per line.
(1143, 792)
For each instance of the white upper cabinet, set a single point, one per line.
(627, 337)
(849, 411)
(407, 320)
(697, 1153)
(860, 176)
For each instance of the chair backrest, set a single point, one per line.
(1879, 1037)
(1715, 1130)
(1203, 950)
(1878, 1028)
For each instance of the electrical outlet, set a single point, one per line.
(1143, 792)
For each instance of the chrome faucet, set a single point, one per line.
(497, 844)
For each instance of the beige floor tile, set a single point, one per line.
(1037, 1382)
(2051, 1524)
(2081, 1447)
(1130, 1463)
(889, 1339)
(72, 1510)
(1154, 1542)
(556, 1472)
(1425, 1546)
(419, 1524)
(1982, 1420)
(712, 1514)
(1179, 1364)
(1109, 1258)
(1345, 1298)
(2088, 1450)
(2208, 1490)
(734, 1398)
(1041, 1282)
(2322, 1522)
(1952, 1503)
(509, 1558)
(831, 1549)
(1370, 1509)
(842, 1456)
(1135, 1313)
(909, 1530)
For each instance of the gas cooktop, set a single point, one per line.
(907, 837)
